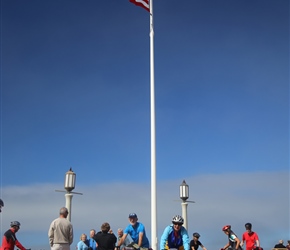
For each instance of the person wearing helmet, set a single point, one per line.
(175, 235)
(1, 204)
(233, 240)
(251, 238)
(9, 240)
(195, 243)
(137, 232)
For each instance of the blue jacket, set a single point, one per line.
(82, 245)
(172, 241)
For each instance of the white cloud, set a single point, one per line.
(260, 198)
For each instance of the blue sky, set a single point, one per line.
(75, 93)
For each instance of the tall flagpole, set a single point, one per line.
(153, 136)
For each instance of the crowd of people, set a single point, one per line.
(133, 237)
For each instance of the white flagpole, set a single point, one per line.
(153, 136)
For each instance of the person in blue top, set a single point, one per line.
(91, 240)
(83, 243)
(137, 232)
(175, 235)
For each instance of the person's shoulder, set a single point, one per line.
(141, 224)
(112, 235)
(9, 231)
(97, 234)
(169, 228)
(56, 219)
(233, 236)
(183, 230)
(128, 228)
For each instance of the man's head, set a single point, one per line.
(133, 219)
(92, 233)
(281, 241)
(248, 227)
(105, 227)
(1, 204)
(120, 232)
(177, 222)
(63, 212)
(15, 225)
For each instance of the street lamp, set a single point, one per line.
(184, 195)
(69, 185)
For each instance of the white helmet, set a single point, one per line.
(177, 219)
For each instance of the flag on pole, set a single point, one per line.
(142, 3)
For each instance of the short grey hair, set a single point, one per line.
(63, 210)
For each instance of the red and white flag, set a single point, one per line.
(142, 3)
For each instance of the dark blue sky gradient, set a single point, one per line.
(75, 89)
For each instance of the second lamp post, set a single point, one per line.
(184, 194)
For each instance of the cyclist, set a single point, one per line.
(1, 204)
(9, 240)
(195, 243)
(175, 235)
(234, 241)
(137, 232)
(251, 238)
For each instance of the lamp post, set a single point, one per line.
(184, 195)
(69, 185)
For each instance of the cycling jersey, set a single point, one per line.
(9, 241)
(174, 239)
(232, 241)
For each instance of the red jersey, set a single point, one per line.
(9, 241)
(250, 239)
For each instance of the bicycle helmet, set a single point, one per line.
(248, 226)
(197, 235)
(177, 219)
(14, 223)
(1, 204)
(226, 227)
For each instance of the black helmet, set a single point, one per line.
(248, 226)
(15, 223)
(1, 204)
(197, 235)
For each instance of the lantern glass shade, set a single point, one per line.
(184, 191)
(70, 180)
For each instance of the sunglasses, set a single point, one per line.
(179, 224)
